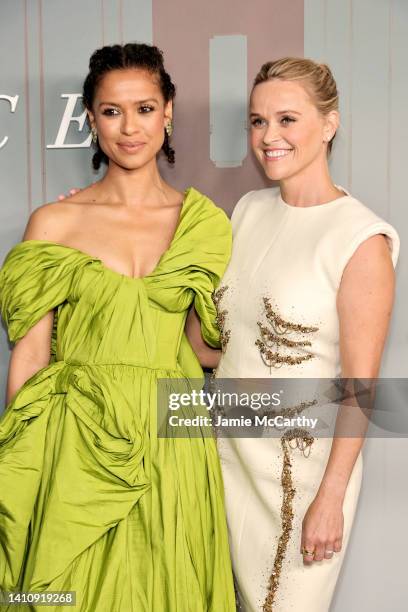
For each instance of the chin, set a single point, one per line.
(277, 171)
(276, 174)
(130, 164)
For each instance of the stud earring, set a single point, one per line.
(169, 129)
(94, 135)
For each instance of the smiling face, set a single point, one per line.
(130, 115)
(289, 135)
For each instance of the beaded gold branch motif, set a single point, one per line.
(294, 438)
(274, 346)
(220, 319)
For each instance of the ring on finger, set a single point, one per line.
(308, 553)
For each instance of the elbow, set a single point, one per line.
(208, 357)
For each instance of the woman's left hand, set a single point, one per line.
(322, 529)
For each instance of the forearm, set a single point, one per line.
(343, 455)
(349, 435)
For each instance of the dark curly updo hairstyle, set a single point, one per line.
(117, 57)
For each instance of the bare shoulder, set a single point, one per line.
(50, 221)
(44, 221)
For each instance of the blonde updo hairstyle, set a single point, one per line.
(317, 79)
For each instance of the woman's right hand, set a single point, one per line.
(71, 192)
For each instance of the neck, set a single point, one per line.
(313, 185)
(133, 187)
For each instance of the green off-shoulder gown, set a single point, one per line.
(91, 500)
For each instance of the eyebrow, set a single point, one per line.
(137, 102)
(288, 111)
(282, 112)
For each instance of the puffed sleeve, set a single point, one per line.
(192, 267)
(213, 254)
(36, 276)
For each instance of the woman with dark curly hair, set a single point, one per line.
(95, 298)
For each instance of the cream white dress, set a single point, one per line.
(284, 274)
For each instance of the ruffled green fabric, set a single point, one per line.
(90, 499)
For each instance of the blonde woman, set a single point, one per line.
(308, 294)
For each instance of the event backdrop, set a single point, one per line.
(213, 49)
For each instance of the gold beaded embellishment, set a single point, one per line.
(221, 317)
(274, 345)
(290, 412)
(303, 441)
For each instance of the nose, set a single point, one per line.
(130, 123)
(271, 133)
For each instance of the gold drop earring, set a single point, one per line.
(94, 135)
(169, 128)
